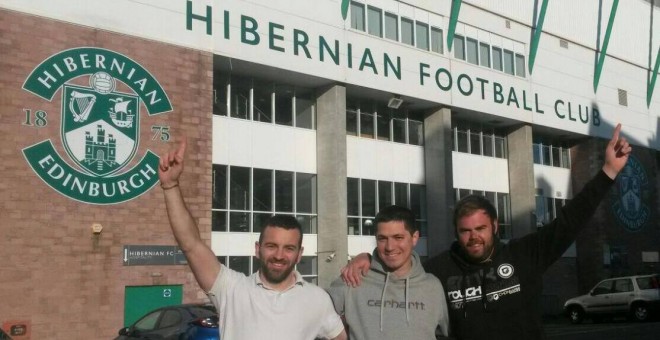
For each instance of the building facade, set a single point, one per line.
(325, 110)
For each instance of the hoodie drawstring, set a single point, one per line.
(407, 290)
(382, 299)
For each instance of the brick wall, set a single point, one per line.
(56, 276)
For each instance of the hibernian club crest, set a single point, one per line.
(629, 204)
(100, 125)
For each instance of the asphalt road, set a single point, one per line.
(616, 329)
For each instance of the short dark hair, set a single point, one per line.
(397, 213)
(470, 204)
(287, 222)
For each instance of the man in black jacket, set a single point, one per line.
(493, 289)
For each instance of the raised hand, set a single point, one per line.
(170, 166)
(616, 154)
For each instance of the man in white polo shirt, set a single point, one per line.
(275, 302)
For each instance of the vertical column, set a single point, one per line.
(331, 170)
(439, 180)
(521, 181)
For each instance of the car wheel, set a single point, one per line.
(640, 312)
(576, 314)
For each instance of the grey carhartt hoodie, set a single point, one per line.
(388, 307)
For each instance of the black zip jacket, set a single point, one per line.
(500, 299)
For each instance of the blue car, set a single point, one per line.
(179, 322)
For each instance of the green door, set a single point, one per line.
(139, 300)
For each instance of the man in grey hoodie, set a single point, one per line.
(394, 300)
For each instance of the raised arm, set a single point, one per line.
(358, 267)
(616, 154)
(201, 259)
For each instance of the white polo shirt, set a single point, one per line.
(249, 310)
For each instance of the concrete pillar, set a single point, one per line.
(521, 181)
(439, 181)
(331, 181)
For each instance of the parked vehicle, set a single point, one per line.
(634, 296)
(188, 322)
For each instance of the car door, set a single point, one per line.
(599, 299)
(622, 293)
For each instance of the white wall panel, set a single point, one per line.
(468, 172)
(242, 244)
(555, 182)
(386, 161)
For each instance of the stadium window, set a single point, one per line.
(508, 62)
(407, 32)
(375, 21)
(520, 65)
(459, 47)
(497, 58)
(436, 40)
(391, 26)
(472, 51)
(422, 34)
(357, 16)
(484, 54)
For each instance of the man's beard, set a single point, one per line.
(275, 276)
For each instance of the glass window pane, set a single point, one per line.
(283, 191)
(422, 35)
(308, 223)
(308, 265)
(170, 318)
(437, 44)
(547, 160)
(263, 190)
(503, 212)
(500, 151)
(520, 65)
(472, 51)
(353, 199)
(488, 144)
(415, 132)
(351, 117)
(555, 157)
(219, 95)
(384, 194)
(240, 264)
(304, 111)
(368, 226)
(391, 26)
(536, 151)
(383, 118)
(219, 186)
(565, 158)
(418, 201)
(508, 62)
(353, 226)
(218, 220)
(239, 188)
(239, 222)
(305, 192)
(407, 34)
(148, 322)
(462, 141)
(357, 16)
(459, 47)
(375, 21)
(368, 197)
(540, 211)
(399, 130)
(484, 54)
(550, 209)
(401, 194)
(475, 143)
(497, 58)
(366, 124)
(261, 111)
(256, 264)
(240, 100)
(258, 220)
(284, 108)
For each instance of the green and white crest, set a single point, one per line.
(100, 125)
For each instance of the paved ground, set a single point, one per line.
(617, 329)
